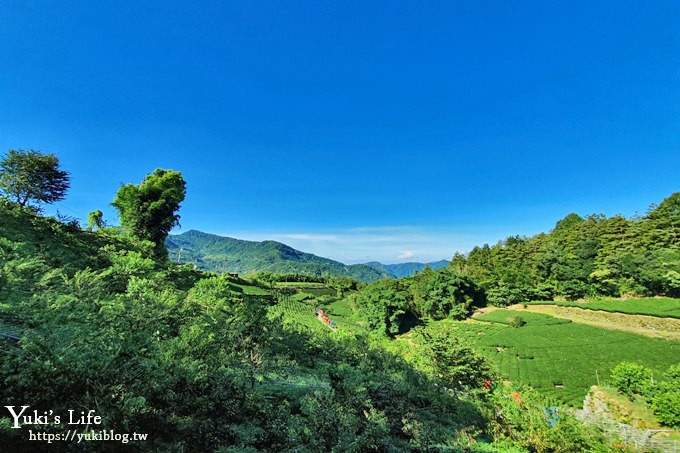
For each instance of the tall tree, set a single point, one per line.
(28, 176)
(149, 210)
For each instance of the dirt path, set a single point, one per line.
(651, 326)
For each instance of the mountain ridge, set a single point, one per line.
(216, 253)
(212, 252)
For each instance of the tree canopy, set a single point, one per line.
(584, 257)
(148, 211)
(29, 176)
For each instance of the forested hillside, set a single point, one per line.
(215, 253)
(583, 257)
(407, 269)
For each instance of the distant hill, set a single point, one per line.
(406, 269)
(215, 253)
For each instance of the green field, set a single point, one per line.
(663, 307)
(558, 357)
(299, 284)
(313, 288)
(250, 289)
(533, 319)
(301, 313)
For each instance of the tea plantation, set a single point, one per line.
(558, 357)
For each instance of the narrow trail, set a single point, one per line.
(650, 326)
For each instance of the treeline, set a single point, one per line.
(583, 257)
(290, 277)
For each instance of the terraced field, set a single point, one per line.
(296, 313)
(560, 358)
(663, 307)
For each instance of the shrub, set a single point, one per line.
(534, 423)
(667, 408)
(516, 321)
(673, 373)
(630, 377)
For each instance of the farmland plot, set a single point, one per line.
(561, 358)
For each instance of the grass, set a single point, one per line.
(535, 319)
(250, 290)
(662, 307)
(318, 292)
(561, 359)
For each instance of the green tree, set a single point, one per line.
(95, 219)
(454, 362)
(28, 176)
(568, 222)
(149, 211)
(443, 293)
(384, 304)
(662, 228)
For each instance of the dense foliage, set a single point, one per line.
(583, 257)
(388, 304)
(148, 211)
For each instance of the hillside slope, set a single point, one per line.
(224, 254)
(400, 270)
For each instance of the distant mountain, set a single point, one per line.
(406, 269)
(215, 253)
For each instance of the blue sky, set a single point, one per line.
(394, 131)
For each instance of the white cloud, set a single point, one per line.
(406, 254)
